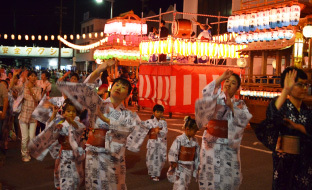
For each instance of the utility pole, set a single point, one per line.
(60, 43)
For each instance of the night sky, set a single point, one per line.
(42, 17)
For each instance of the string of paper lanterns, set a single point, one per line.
(118, 53)
(186, 48)
(264, 36)
(267, 19)
(51, 37)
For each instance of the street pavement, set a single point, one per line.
(36, 175)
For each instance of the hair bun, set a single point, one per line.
(186, 118)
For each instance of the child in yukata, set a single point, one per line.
(61, 137)
(225, 119)
(157, 144)
(184, 156)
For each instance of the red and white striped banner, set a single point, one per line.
(176, 87)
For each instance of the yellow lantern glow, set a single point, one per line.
(19, 37)
(12, 37)
(90, 35)
(169, 45)
(189, 48)
(78, 36)
(39, 37)
(45, 37)
(65, 37)
(5, 36)
(32, 37)
(84, 36)
(71, 37)
(102, 34)
(26, 37)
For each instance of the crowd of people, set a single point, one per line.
(88, 131)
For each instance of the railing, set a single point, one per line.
(261, 80)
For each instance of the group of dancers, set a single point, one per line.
(98, 162)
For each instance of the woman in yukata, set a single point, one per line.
(224, 119)
(61, 137)
(287, 133)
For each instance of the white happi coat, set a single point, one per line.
(105, 167)
(185, 169)
(219, 157)
(156, 154)
(68, 172)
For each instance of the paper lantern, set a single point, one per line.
(281, 34)
(33, 37)
(279, 17)
(262, 36)
(295, 15)
(230, 24)
(250, 38)
(39, 37)
(246, 22)
(274, 35)
(84, 36)
(52, 37)
(78, 36)
(260, 16)
(12, 36)
(286, 16)
(273, 18)
(241, 23)
(253, 22)
(266, 19)
(256, 36)
(268, 36)
(238, 39)
(26, 37)
(244, 38)
(307, 31)
(289, 34)
(5, 36)
(19, 37)
(236, 23)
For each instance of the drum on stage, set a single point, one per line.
(182, 28)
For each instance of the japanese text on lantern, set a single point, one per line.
(28, 50)
(41, 50)
(5, 50)
(17, 51)
(53, 51)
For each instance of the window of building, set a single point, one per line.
(91, 28)
(88, 29)
(83, 30)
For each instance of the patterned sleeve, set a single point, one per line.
(74, 138)
(173, 155)
(163, 132)
(137, 135)
(237, 124)
(267, 131)
(197, 156)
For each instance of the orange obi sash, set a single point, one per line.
(64, 141)
(218, 128)
(187, 153)
(152, 133)
(96, 137)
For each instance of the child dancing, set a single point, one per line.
(184, 156)
(157, 144)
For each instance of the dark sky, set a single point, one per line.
(42, 16)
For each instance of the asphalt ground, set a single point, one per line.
(36, 175)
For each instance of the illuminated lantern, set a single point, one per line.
(84, 36)
(32, 37)
(230, 24)
(26, 37)
(253, 22)
(260, 16)
(236, 23)
(246, 22)
(201, 50)
(225, 37)
(221, 51)
(96, 35)
(275, 35)
(244, 38)
(102, 34)
(289, 34)
(78, 36)
(286, 16)
(65, 37)
(19, 37)
(5, 36)
(71, 37)
(189, 48)
(90, 35)
(52, 37)
(195, 48)
(294, 15)
(266, 19)
(273, 18)
(279, 17)
(238, 39)
(281, 34)
(241, 23)
(250, 38)
(255, 36)
(39, 37)
(12, 37)
(268, 36)
(58, 37)
(261, 36)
